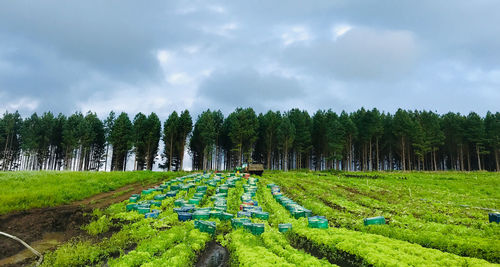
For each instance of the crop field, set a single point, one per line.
(295, 219)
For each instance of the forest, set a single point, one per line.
(363, 140)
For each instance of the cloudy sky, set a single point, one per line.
(160, 56)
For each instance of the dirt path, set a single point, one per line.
(65, 220)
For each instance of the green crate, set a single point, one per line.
(201, 188)
(199, 194)
(374, 220)
(155, 203)
(298, 214)
(205, 226)
(284, 227)
(143, 210)
(201, 215)
(131, 206)
(175, 187)
(160, 197)
(180, 202)
(261, 215)
(257, 228)
(195, 201)
(133, 199)
(226, 216)
(238, 222)
(147, 191)
(215, 214)
(317, 223)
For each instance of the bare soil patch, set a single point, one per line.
(65, 220)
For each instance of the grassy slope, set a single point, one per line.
(26, 190)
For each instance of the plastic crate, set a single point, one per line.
(260, 215)
(151, 215)
(226, 216)
(238, 222)
(374, 220)
(160, 197)
(143, 210)
(317, 222)
(130, 207)
(180, 202)
(184, 216)
(205, 226)
(494, 217)
(201, 215)
(284, 227)
(195, 201)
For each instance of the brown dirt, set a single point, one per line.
(214, 255)
(31, 225)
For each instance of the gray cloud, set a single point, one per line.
(161, 56)
(360, 54)
(248, 88)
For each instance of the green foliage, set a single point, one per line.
(26, 190)
(121, 138)
(432, 213)
(98, 226)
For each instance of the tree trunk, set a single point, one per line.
(378, 159)
(269, 159)
(468, 160)
(403, 160)
(462, 166)
(370, 162)
(171, 152)
(181, 153)
(285, 152)
(435, 162)
(478, 157)
(497, 161)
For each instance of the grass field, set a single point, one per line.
(34, 189)
(433, 219)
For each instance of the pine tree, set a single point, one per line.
(492, 128)
(141, 129)
(185, 126)
(121, 138)
(170, 137)
(108, 125)
(152, 139)
(286, 136)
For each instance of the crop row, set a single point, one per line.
(140, 240)
(343, 246)
(328, 196)
(270, 248)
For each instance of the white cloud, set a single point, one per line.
(221, 30)
(339, 30)
(217, 9)
(26, 104)
(191, 49)
(295, 34)
(179, 78)
(163, 56)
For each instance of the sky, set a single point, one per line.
(160, 56)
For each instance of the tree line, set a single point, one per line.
(361, 140)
